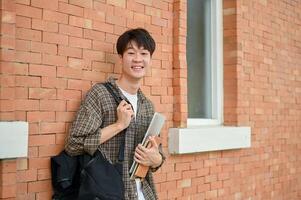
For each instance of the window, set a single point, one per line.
(204, 61)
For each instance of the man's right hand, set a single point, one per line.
(125, 114)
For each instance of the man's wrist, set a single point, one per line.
(119, 127)
(159, 163)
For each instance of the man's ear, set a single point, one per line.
(120, 59)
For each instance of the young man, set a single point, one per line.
(99, 123)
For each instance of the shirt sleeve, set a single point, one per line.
(85, 132)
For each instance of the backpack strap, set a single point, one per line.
(118, 99)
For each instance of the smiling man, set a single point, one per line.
(100, 122)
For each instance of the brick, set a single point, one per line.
(80, 42)
(44, 174)
(38, 116)
(28, 57)
(39, 163)
(80, 22)
(7, 93)
(50, 150)
(44, 25)
(94, 35)
(101, 46)
(93, 55)
(116, 20)
(27, 175)
(42, 70)
(22, 45)
(39, 186)
(28, 11)
(8, 5)
(8, 29)
(25, 2)
(64, 117)
(8, 55)
(22, 190)
(43, 47)
(110, 38)
(8, 179)
(142, 18)
(60, 139)
(93, 76)
(44, 195)
(79, 84)
(94, 15)
(82, 3)
(52, 105)
(73, 105)
(28, 81)
(14, 68)
(55, 16)
(182, 166)
(52, 127)
(41, 140)
(8, 191)
(70, 30)
(54, 60)
(71, 9)
(102, 67)
(104, 27)
(21, 93)
(134, 24)
(67, 72)
(79, 63)
(184, 183)
(45, 4)
(22, 164)
(55, 38)
(103, 7)
(68, 94)
(52, 82)
(42, 93)
(8, 17)
(26, 105)
(28, 34)
(118, 3)
(70, 52)
(32, 153)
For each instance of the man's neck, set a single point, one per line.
(130, 86)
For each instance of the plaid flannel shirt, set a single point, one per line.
(98, 110)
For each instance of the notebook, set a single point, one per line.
(154, 129)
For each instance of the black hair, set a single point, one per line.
(140, 36)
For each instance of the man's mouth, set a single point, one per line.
(137, 67)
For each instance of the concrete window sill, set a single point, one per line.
(14, 139)
(208, 138)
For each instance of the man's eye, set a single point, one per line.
(144, 53)
(131, 53)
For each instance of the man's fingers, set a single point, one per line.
(153, 141)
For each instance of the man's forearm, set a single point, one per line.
(110, 131)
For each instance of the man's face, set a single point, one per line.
(135, 61)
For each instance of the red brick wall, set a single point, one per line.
(52, 52)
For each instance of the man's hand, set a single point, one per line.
(148, 156)
(124, 114)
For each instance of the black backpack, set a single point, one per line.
(86, 177)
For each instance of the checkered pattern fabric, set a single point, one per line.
(98, 110)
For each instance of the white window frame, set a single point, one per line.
(217, 68)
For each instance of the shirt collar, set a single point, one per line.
(112, 80)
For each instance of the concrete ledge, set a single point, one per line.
(207, 138)
(14, 139)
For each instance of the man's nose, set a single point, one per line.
(137, 57)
